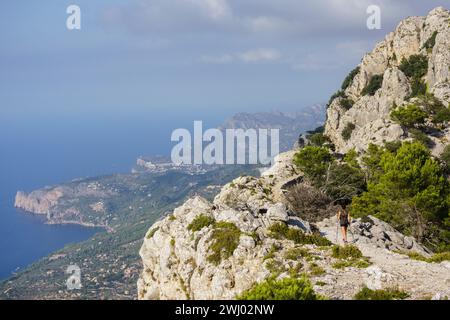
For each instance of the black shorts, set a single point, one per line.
(344, 224)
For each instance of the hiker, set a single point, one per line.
(344, 221)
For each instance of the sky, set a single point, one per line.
(181, 56)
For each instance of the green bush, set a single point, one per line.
(388, 294)
(334, 96)
(441, 116)
(410, 191)
(347, 103)
(348, 130)
(429, 44)
(374, 84)
(414, 67)
(285, 289)
(351, 158)
(409, 116)
(297, 253)
(349, 79)
(313, 161)
(315, 270)
(439, 257)
(225, 239)
(445, 158)
(152, 233)
(318, 139)
(346, 252)
(421, 137)
(418, 88)
(200, 222)
(436, 258)
(282, 231)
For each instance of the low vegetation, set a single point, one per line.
(436, 258)
(285, 289)
(349, 78)
(200, 222)
(415, 67)
(374, 84)
(408, 188)
(282, 231)
(348, 130)
(429, 44)
(349, 256)
(387, 294)
(225, 239)
(410, 116)
(340, 181)
(152, 233)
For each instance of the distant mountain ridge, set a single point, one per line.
(290, 124)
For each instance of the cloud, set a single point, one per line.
(259, 55)
(265, 17)
(336, 57)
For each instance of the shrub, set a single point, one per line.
(351, 158)
(297, 253)
(349, 79)
(334, 96)
(418, 88)
(225, 239)
(343, 182)
(318, 139)
(346, 252)
(411, 192)
(429, 44)
(346, 103)
(421, 137)
(200, 222)
(409, 116)
(152, 233)
(271, 253)
(348, 130)
(285, 289)
(313, 161)
(392, 146)
(439, 257)
(414, 67)
(445, 158)
(316, 270)
(374, 84)
(436, 258)
(309, 203)
(282, 231)
(441, 116)
(359, 263)
(387, 294)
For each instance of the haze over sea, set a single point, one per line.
(37, 150)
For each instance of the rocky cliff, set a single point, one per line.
(248, 234)
(180, 261)
(369, 114)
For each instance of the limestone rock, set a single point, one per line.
(371, 114)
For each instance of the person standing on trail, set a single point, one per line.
(344, 221)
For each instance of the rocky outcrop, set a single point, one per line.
(370, 115)
(38, 202)
(176, 264)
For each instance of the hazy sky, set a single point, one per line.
(182, 55)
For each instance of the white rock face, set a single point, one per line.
(176, 266)
(371, 114)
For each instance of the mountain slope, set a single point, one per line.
(252, 234)
(368, 113)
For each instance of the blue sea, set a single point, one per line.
(37, 150)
